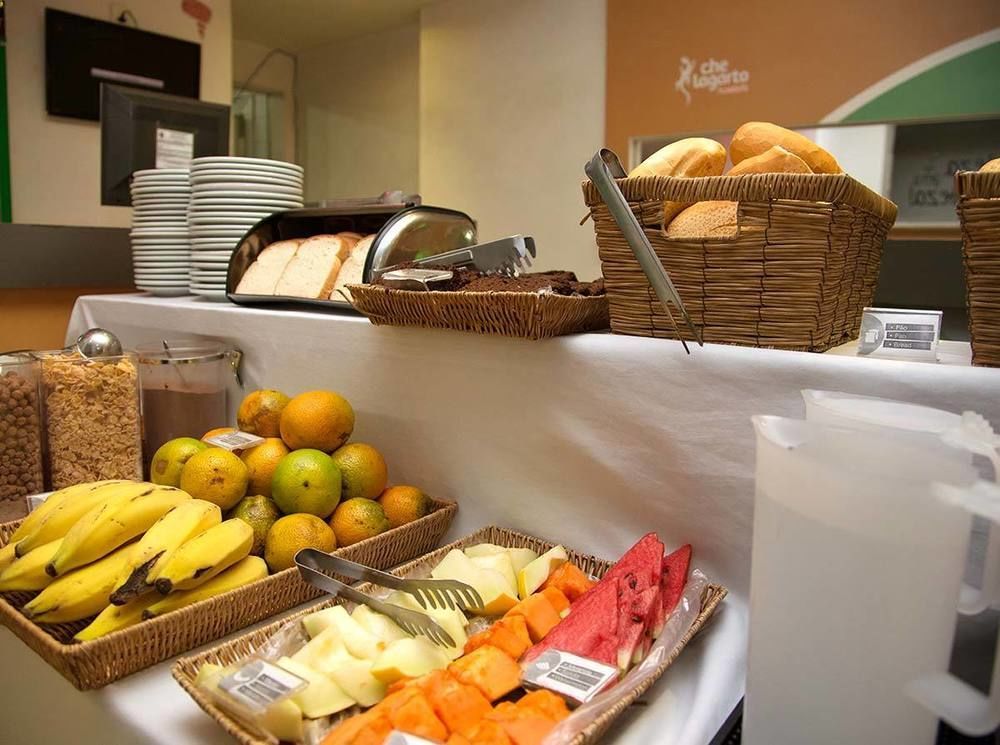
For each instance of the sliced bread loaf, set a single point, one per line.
(313, 270)
(352, 272)
(262, 276)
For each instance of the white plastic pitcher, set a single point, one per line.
(855, 577)
(922, 424)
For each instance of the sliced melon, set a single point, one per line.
(358, 641)
(499, 563)
(322, 696)
(377, 624)
(408, 658)
(534, 574)
(521, 557)
(484, 549)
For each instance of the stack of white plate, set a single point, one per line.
(160, 250)
(230, 195)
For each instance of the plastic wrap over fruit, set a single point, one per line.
(677, 625)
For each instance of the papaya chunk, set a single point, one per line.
(539, 614)
(457, 739)
(458, 706)
(509, 635)
(417, 717)
(488, 669)
(523, 726)
(488, 732)
(370, 728)
(555, 596)
(569, 580)
(545, 703)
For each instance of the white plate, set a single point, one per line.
(159, 214)
(209, 254)
(147, 225)
(147, 262)
(209, 266)
(214, 272)
(168, 291)
(161, 172)
(172, 277)
(195, 223)
(154, 190)
(234, 161)
(172, 258)
(244, 178)
(233, 214)
(223, 233)
(145, 284)
(160, 181)
(214, 191)
(214, 244)
(231, 208)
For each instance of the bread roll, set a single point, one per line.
(991, 166)
(313, 270)
(773, 160)
(262, 275)
(352, 272)
(705, 220)
(755, 138)
(687, 158)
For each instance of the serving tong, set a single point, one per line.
(602, 170)
(509, 256)
(316, 566)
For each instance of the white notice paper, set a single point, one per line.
(174, 148)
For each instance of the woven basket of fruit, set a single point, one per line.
(366, 674)
(92, 652)
(534, 306)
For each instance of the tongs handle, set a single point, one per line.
(318, 578)
(315, 559)
(602, 170)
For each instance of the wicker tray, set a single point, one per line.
(185, 670)
(979, 213)
(96, 663)
(797, 275)
(527, 315)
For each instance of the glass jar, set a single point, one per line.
(184, 387)
(93, 429)
(21, 471)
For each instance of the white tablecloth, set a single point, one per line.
(590, 440)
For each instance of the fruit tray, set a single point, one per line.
(185, 670)
(93, 664)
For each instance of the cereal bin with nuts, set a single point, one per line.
(21, 471)
(92, 427)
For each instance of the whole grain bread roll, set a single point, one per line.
(755, 138)
(772, 160)
(991, 166)
(687, 158)
(705, 220)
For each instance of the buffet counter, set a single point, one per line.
(590, 440)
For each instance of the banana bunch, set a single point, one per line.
(170, 532)
(118, 519)
(207, 554)
(79, 594)
(56, 515)
(28, 572)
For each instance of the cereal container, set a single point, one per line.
(91, 413)
(21, 471)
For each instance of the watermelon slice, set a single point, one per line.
(653, 617)
(675, 572)
(632, 620)
(642, 560)
(590, 627)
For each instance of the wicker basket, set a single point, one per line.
(803, 265)
(185, 670)
(979, 212)
(526, 315)
(96, 663)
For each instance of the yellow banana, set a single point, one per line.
(207, 554)
(55, 500)
(79, 594)
(28, 572)
(70, 509)
(112, 524)
(179, 525)
(116, 617)
(7, 556)
(247, 570)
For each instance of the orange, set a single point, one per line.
(292, 533)
(306, 481)
(362, 469)
(260, 412)
(170, 458)
(217, 476)
(358, 519)
(404, 504)
(217, 431)
(262, 461)
(322, 420)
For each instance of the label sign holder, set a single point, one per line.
(896, 333)
(577, 679)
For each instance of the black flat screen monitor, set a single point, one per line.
(142, 129)
(81, 53)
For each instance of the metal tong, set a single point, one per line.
(314, 566)
(510, 256)
(602, 170)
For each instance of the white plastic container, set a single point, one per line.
(856, 573)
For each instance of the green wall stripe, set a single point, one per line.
(5, 194)
(963, 86)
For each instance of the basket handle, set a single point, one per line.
(953, 700)
(602, 170)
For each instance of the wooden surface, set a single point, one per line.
(36, 318)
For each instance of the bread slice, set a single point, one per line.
(313, 270)
(352, 272)
(351, 238)
(705, 220)
(262, 275)
(341, 246)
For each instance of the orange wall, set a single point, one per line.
(804, 58)
(37, 318)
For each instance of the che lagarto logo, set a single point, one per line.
(711, 76)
